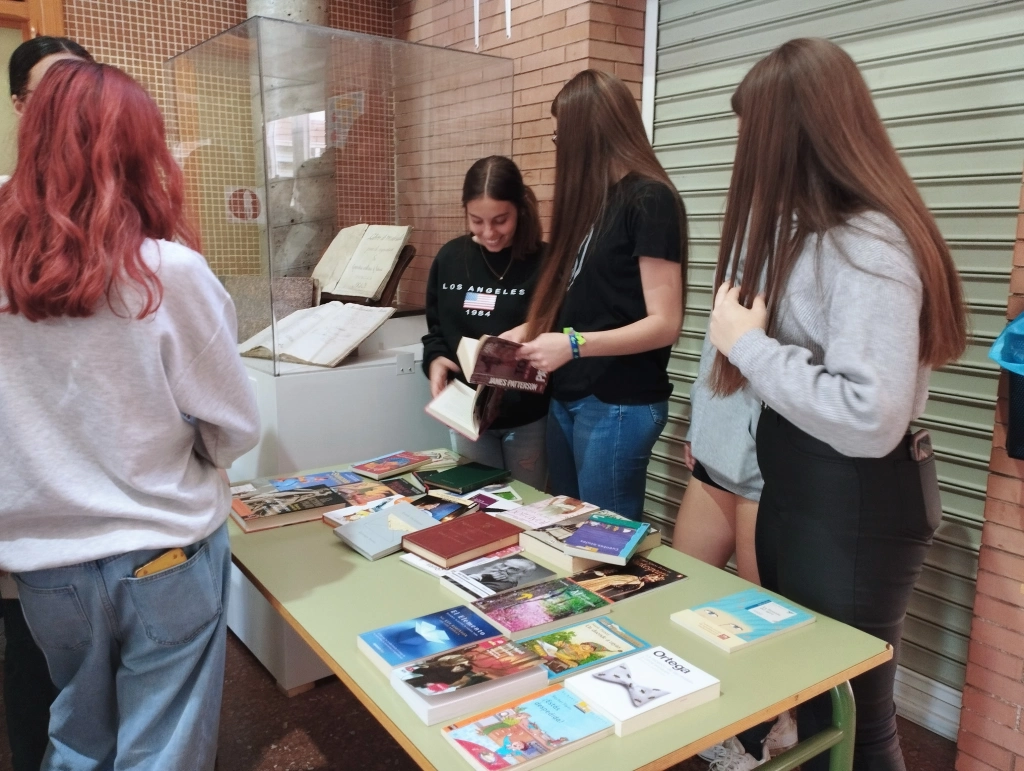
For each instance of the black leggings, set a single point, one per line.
(845, 537)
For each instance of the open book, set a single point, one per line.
(360, 260)
(491, 363)
(322, 336)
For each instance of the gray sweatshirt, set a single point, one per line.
(113, 428)
(844, 363)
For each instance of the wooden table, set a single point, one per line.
(329, 595)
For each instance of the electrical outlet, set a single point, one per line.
(406, 363)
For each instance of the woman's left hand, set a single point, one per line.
(548, 351)
(730, 320)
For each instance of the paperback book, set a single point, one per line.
(468, 410)
(365, 491)
(414, 560)
(527, 732)
(611, 539)
(575, 648)
(391, 465)
(548, 543)
(743, 619)
(492, 574)
(333, 479)
(619, 582)
(410, 641)
(441, 458)
(549, 511)
(339, 517)
(442, 507)
(643, 689)
(460, 681)
(527, 612)
(381, 533)
(259, 505)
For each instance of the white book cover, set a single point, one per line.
(336, 258)
(645, 688)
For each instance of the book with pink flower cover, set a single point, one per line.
(533, 610)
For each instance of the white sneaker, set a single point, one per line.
(716, 751)
(735, 758)
(782, 737)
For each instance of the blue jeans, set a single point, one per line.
(139, 662)
(521, 450)
(599, 452)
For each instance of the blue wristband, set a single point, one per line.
(574, 343)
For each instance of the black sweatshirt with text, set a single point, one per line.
(466, 298)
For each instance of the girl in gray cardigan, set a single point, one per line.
(862, 300)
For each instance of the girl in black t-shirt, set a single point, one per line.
(481, 284)
(609, 300)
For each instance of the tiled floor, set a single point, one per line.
(326, 729)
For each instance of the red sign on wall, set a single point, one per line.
(244, 205)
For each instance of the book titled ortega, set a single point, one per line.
(643, 689)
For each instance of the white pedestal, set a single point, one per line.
(313, 417)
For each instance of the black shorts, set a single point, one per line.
(701, 474)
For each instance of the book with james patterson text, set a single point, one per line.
(527, 732)
(463, 539)
(409, 641)
(259, 505)
(611, 539)
(742, 619)
(619, 582)
(492, 574)
(381, 533)
(536, 609)
(577, 647)
(492, 361)
(456, 682)
(643, 689)
(549, 511)
(391, 465)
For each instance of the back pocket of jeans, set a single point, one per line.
(55, 617)
(659, 414)
(177, 604)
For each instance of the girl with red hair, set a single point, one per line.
(123, 398)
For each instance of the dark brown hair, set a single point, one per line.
(498, 178)
(812, 152)
(31, 52)
(600, 134)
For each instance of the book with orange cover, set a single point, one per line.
(460, 540)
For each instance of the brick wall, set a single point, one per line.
(991, 728)
(551, 41)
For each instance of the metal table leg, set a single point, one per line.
(838, 738)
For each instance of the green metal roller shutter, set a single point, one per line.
(947, 78)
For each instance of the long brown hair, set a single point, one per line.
(812, 152)
(498, 178)
(600, 131)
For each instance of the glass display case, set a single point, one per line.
(289, 133)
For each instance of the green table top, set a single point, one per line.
(330, 594)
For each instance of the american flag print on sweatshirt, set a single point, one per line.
(479, 301)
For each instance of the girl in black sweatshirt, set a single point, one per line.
(480, 284)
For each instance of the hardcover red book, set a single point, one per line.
(461, 540)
